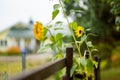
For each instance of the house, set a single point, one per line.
(19, 35)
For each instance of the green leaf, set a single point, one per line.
(82, 61)
(60, 74)
(45, 31)
(59, 23)
(58, 36)
(90, 66)
(53, 47)
(94, 50)
(83, 38)
(52, 39)
(59, 43)
(49, 26)
(73, 25)
(57, 56)
(43, 48)
(89, 44)
(88, 30)
(56, 6)
(58, 29)
(81, 67)
(54, 14)
(73, 70)
(95, 63)
(77, 1)
(67, 1)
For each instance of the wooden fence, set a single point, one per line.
(51, 68)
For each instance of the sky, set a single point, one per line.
(13, 11)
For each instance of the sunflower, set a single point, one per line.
(79, 31)
(38, 31)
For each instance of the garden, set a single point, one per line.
(93, 30)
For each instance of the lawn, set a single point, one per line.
(14, 66)
(111, 74)
(8, 69)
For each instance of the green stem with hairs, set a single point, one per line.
(70, 29)
(88, 49)
(54, 41)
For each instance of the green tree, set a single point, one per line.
(97, 15)
(102, 17)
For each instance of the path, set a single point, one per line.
(30, 57)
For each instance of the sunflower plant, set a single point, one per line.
(83, 63)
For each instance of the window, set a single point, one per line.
(3, 43)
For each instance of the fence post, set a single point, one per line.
(24, 52)
(69, 62)
(97, 70)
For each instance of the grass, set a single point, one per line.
(11, 68)
(8, 69)
(111, 74)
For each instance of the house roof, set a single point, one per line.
(21, 30)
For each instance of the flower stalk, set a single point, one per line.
(70, 29)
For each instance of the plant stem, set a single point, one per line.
(70, 29)
(88, 49)
(54, 41)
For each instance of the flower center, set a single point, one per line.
(80, 31)
(36, 30)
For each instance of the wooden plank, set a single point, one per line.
(97, 70)
(42, 72)
(69, 62)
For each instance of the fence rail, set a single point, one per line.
(42, 72)
(45, 71)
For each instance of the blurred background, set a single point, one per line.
(103, 18)
(17, 40)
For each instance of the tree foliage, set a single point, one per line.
(99, 15)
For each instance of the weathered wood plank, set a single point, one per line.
(69, 62)
(46, 70)
(97, 70)
(42, 72)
